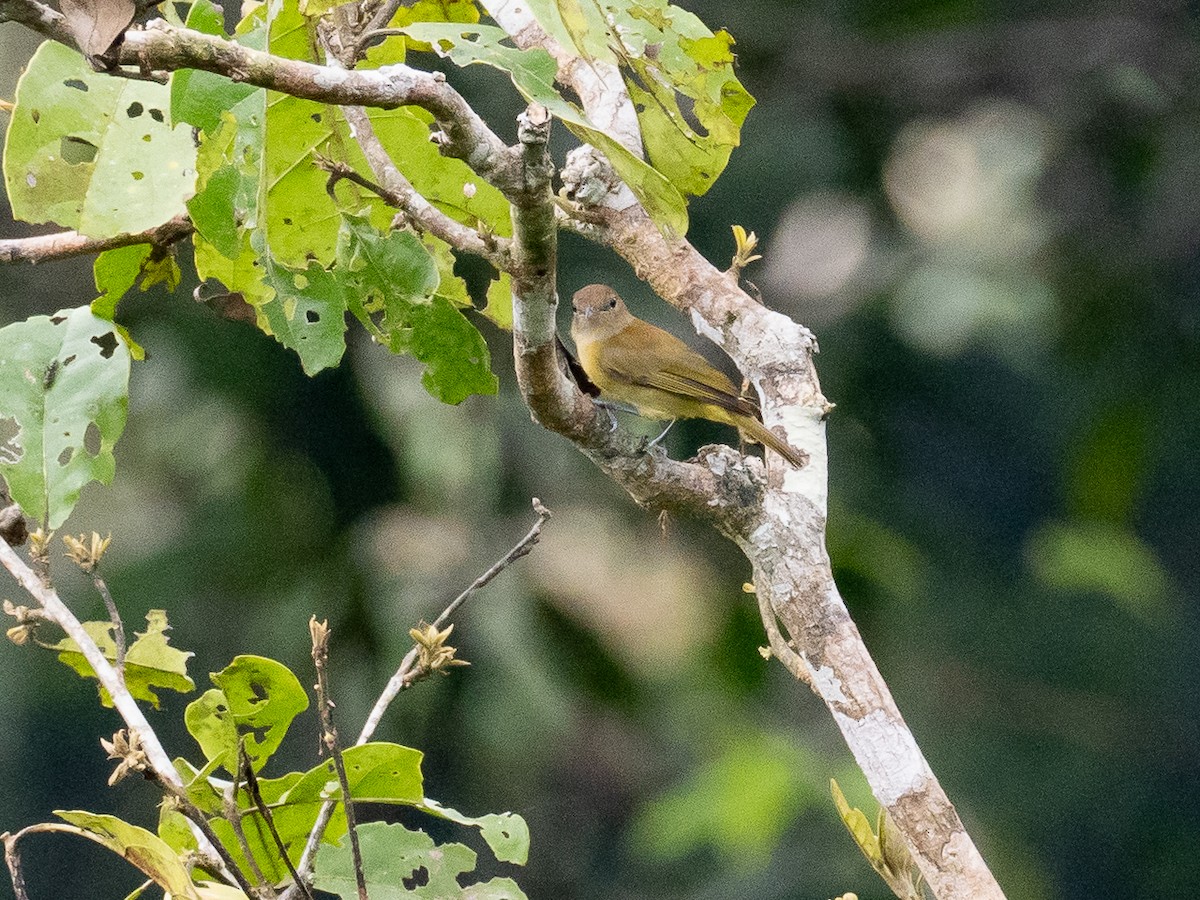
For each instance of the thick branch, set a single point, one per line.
(67, 244)
(783, 536)
(41, 18)
(554, 400)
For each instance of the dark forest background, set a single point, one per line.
(989, 213)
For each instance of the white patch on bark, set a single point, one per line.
(329, 77)
(826, 682)
(887, 753)
(806, 431)
(706, 330)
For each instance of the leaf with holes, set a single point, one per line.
(393, 856)
(93, 152)
(255, 699)
(376, 772)
(506, 833)
(533, 72)
(151, 663)
(679, 75)
(64, 385)
(393, 282)
(305, 310)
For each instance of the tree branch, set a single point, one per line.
(406, 675)
(39, 17)
(399, 192)
(68, 244)
(58, 613)
(160, 45)
(329, 737)
(783, 536)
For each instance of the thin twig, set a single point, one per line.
(12, 859)
(780, 649)
(405, 675)
(234, 815)
(68, 244)
(196, 815)
(114, 616)
(398, 191)
(377, 24)
(264, 810)
(136, 75)
(329, 735)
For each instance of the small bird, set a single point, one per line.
(634, 362)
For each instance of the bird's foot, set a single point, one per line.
(654, 443)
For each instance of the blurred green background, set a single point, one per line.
(988, 213)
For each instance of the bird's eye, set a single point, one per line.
(611, 304)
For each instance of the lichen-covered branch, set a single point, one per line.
(39, 17)
(782, 533)
(165, 47)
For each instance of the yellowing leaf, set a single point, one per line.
(139, 847)
(150, 662)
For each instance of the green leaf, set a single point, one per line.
(391, 854)
(533, 72)
(141, 848)
(394, 280)
(255, 699)
(506, 833)
(199, 98)
(93, 152)
(499, 302)
(64, 382)
(456, 357)
(150, 662)
(444, 181)
(118, 270)
(305, 310)
(214, 213)
(679, 75)
(858, 825)
(377, 773)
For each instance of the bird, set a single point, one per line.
(635, 363)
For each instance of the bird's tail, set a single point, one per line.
(760, 434)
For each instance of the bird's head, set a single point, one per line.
(599, 311)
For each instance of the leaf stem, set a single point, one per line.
(264, 810)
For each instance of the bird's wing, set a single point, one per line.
(682, 371)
